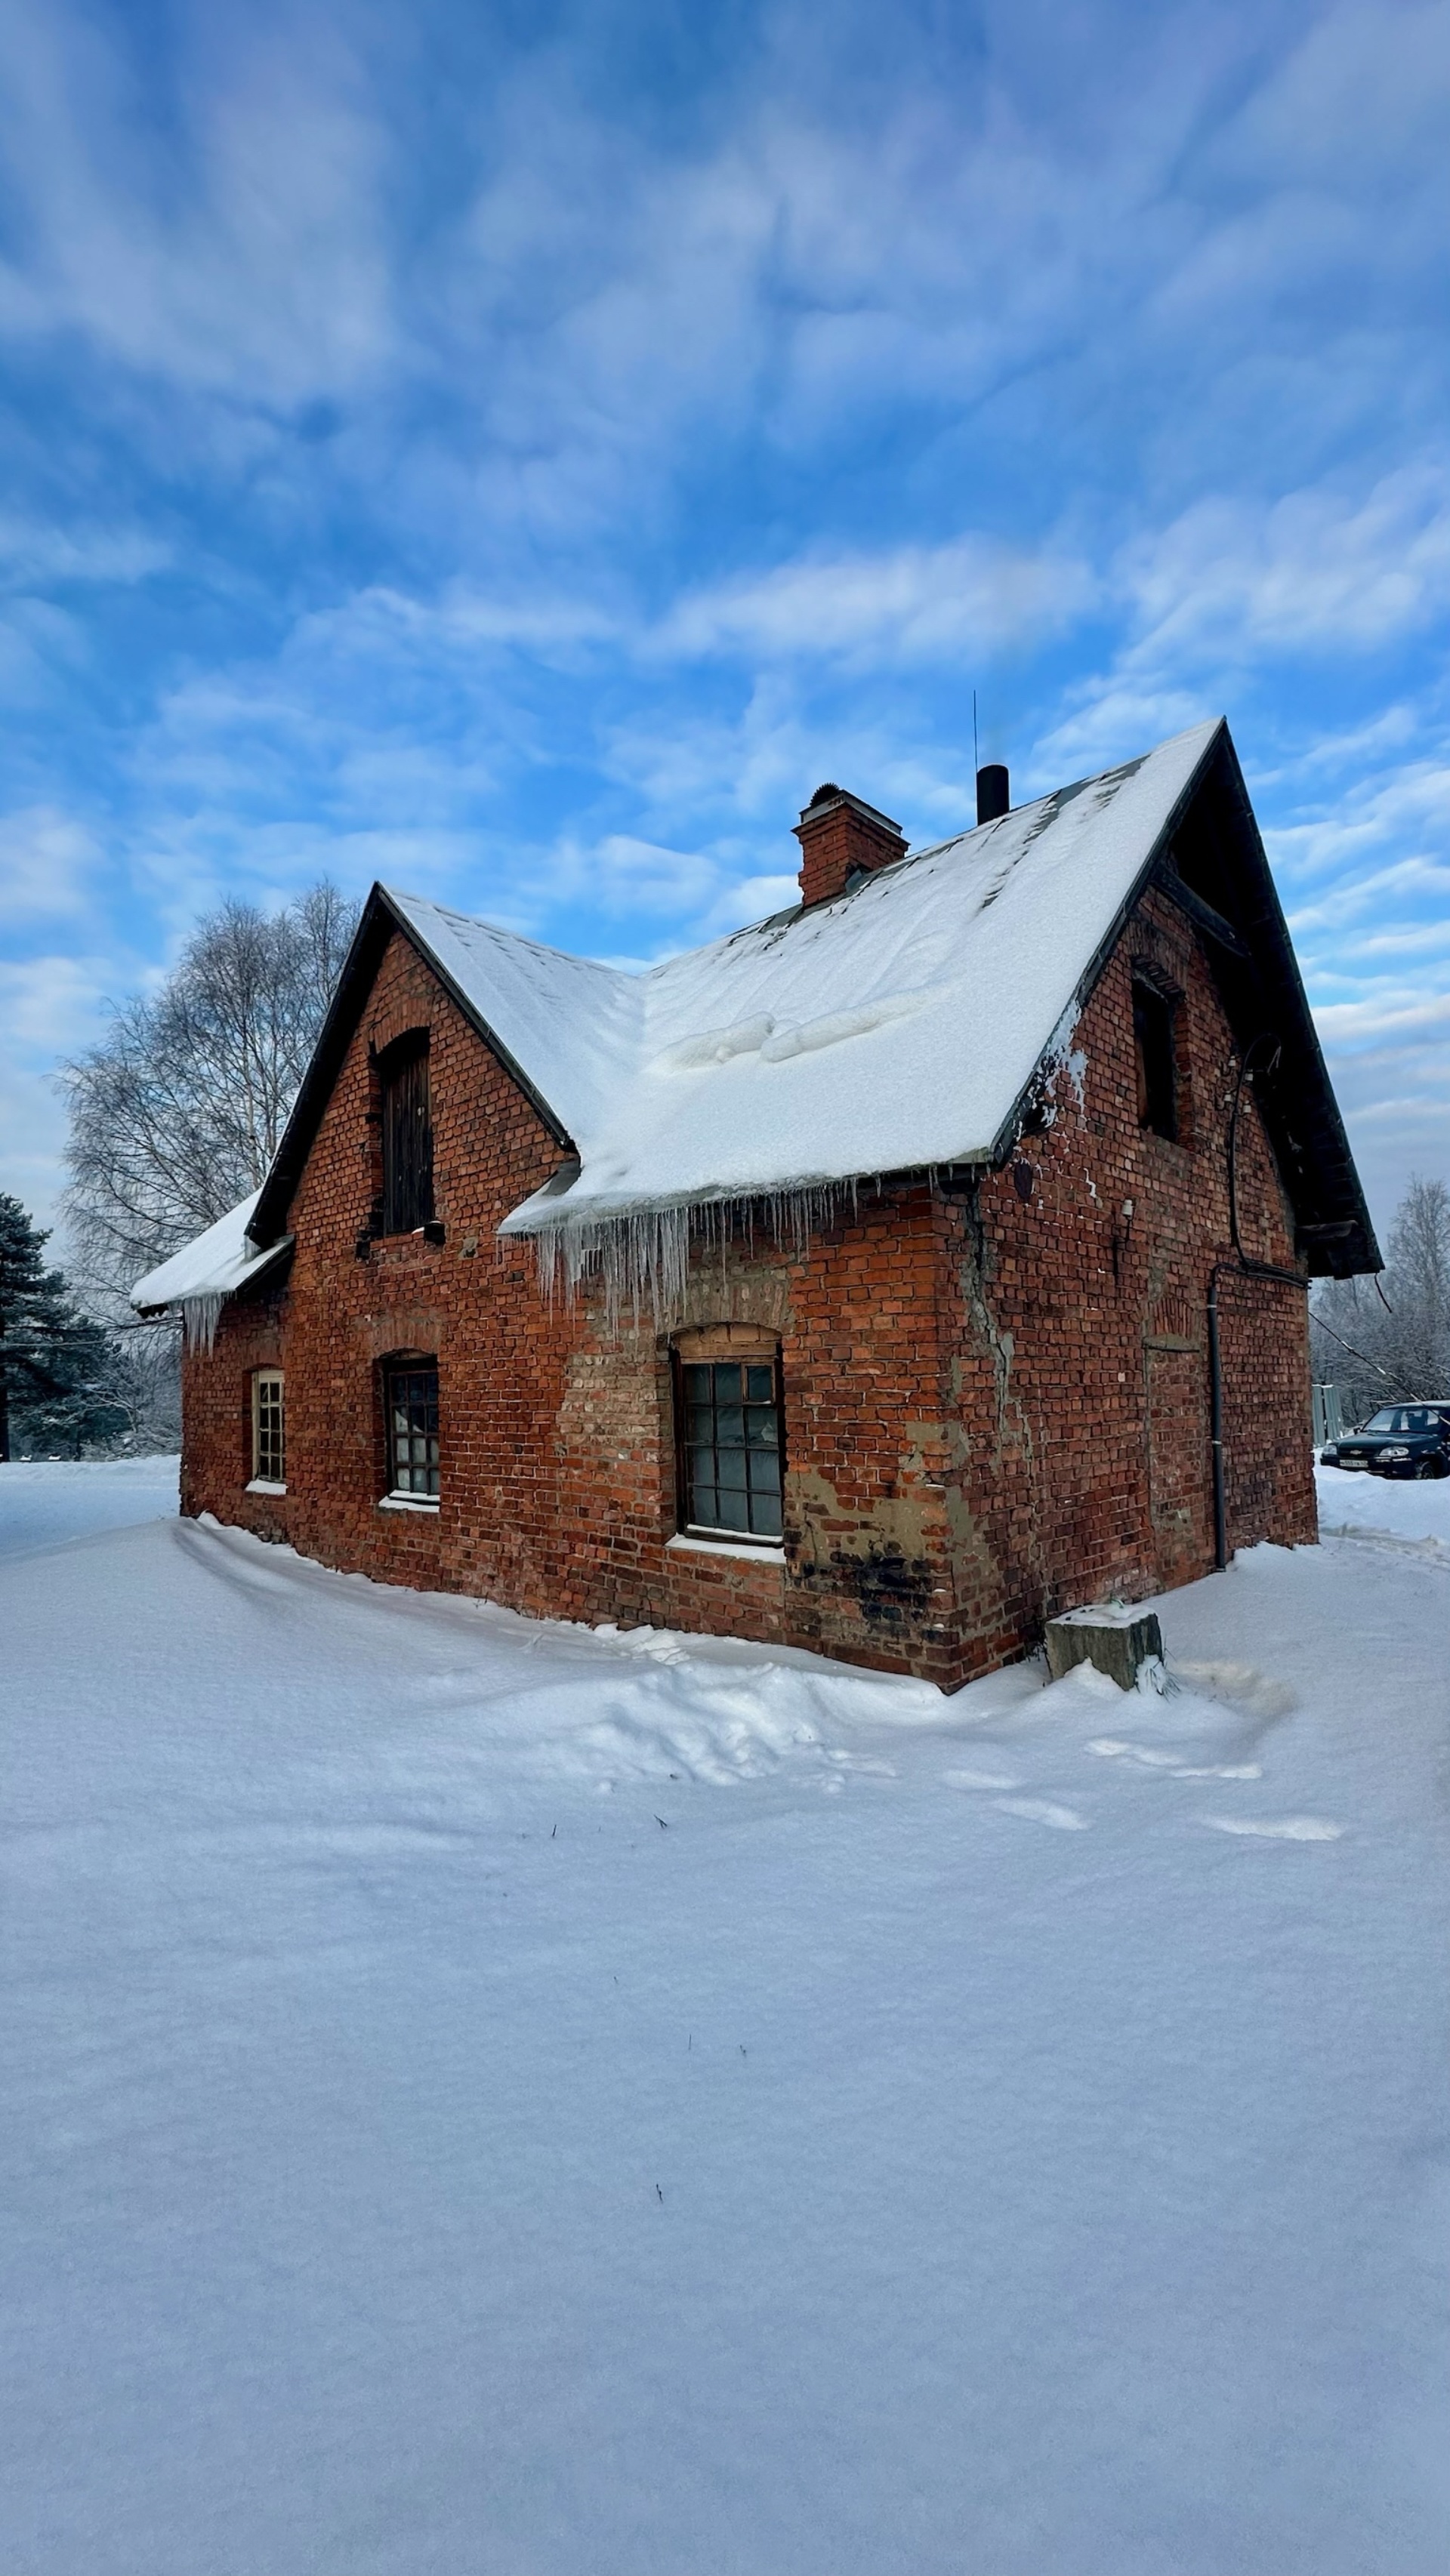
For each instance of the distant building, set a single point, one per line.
(883, 1279)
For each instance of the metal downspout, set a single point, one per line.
(1215, 1417)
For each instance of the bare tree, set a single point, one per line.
(178, 1111)
(1420, 1270)
(1380, 1346)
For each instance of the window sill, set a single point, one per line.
(263, 1485)
(754, 1552)
(408, 1503)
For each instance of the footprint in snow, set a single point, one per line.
(1113, 1745)
(1043, 1811)
(1278, 1829)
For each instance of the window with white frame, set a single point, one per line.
(269, 1429)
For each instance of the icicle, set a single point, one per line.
(202, 1315)
(641, 1257)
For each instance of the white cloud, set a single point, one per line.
(47, 864)
(37, 551)
(1393, 1013)
(234, 246)
(1411, 804)
(749, 899)
(908, 604)
(49, 1006)
(1313, 572)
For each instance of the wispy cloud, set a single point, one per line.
(523, 464)
(47, 863)
(907, 603)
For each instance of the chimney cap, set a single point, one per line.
(830, 794)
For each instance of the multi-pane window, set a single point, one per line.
(411, 1397)
(407, 1136)
(1154, 1043)
(730, 1446)
(269, 1429)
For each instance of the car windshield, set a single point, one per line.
(1404, 1417)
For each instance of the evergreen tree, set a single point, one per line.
(56, 1366)
(85, 1410)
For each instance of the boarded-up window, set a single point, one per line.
(728, 1439)
(407, 1136)
(410, 1390)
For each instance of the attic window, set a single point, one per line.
(1155, 1046)
(407, 1135)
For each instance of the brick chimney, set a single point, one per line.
(841, 839)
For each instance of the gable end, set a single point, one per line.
(381, 920)
(1209, 862)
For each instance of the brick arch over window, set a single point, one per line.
(729, 1432)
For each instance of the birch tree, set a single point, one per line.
(1380, 1348)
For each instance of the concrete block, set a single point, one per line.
(1119, 1639)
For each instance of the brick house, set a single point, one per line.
(883, 1279)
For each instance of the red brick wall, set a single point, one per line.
(994, 1406)
(1076, 1345)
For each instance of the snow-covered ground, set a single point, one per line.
(44, 1500)
(1374, 1505)
(488, 2097)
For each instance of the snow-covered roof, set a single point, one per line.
(211, 1267)
(893, 1028)
(574, 1028)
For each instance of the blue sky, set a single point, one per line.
(519, 451)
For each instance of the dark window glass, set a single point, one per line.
(730, 1448)
(407, 1138)
(412, 1401)
(1153, 1017)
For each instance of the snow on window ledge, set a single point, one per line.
(407, 1502)
(263, 1485)
(756, 1553)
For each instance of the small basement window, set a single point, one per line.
(729, 1447)
(407, 1109)
(1155, 1045)
(410, 1389)
(269, 1429)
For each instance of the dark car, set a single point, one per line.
(1399, 1440)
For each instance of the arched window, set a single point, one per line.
(729, 1449)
